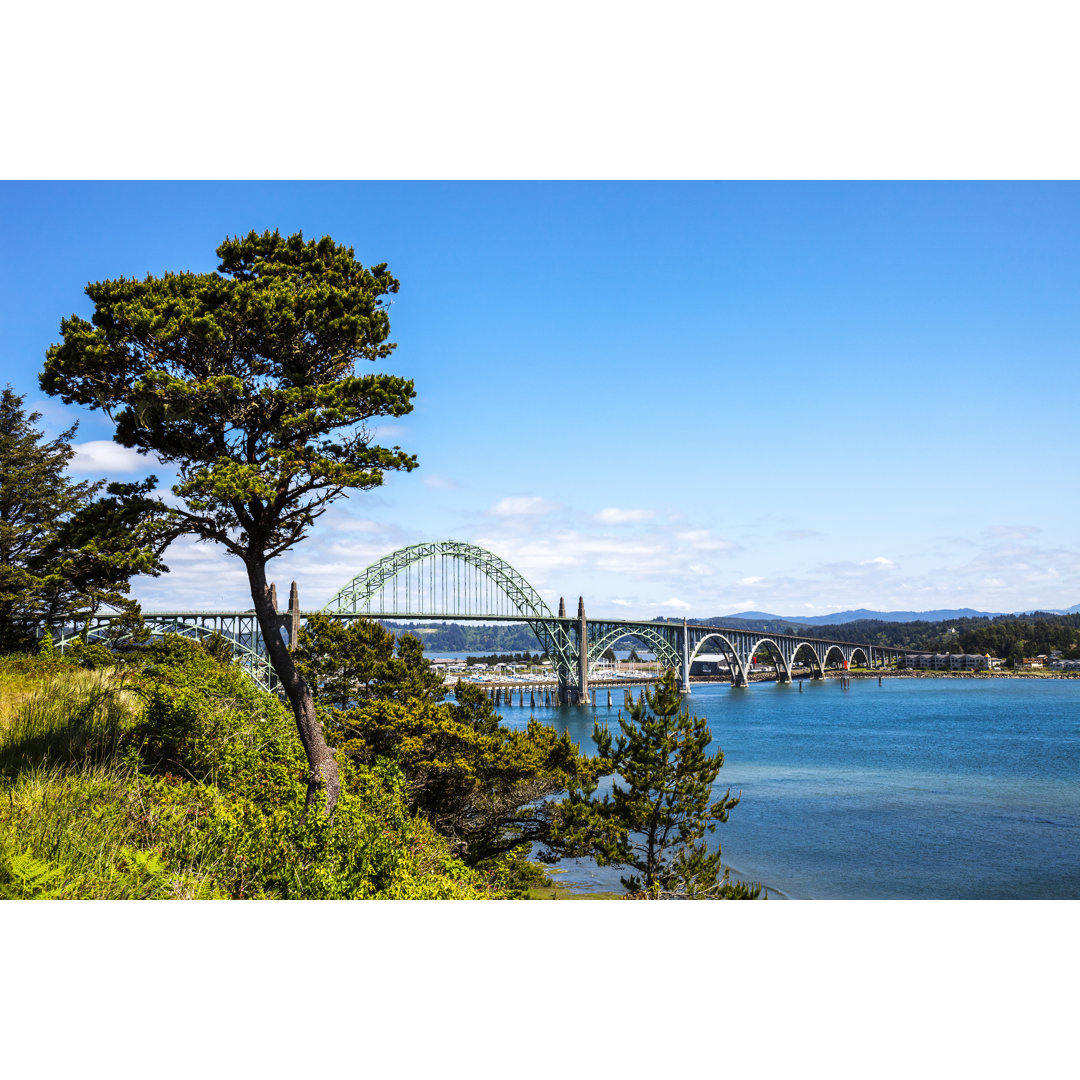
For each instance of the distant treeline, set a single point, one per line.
(459, 637)
(999, 635)
(505, 658)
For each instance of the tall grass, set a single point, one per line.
(20, 675)
(81, 831)
(69, 814)
(77, 719)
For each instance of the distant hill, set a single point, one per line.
(940, 615)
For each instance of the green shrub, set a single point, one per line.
(90, 654)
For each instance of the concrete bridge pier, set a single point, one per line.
(294, 616)
(583, 654)
(685, 659)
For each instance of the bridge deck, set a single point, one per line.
(566, 622)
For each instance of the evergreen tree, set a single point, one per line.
(244, 378)
(655, 821)
(346, 663)
(64, 553)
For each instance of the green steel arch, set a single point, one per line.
(664, 651)
(522, 598)
(255, 663)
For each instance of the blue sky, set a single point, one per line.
(673, 398)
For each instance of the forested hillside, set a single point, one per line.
(470, 637)
(1003, 635)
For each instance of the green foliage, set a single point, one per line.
(63, 553)
(89, 654)
(198, 791)
(22, 877)
(655, 821)
(244, 380)
(486, 788)
(347, 663)
(46, 648)
(503, 658)
(219, 648)
(457, 637)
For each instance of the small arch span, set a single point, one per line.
(834, 657)
(727, 648)
(773, 653)
(806, 655)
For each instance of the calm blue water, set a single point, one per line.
(918, 788)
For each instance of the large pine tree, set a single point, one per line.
(245, 380)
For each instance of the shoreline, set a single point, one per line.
(922, 673)
(759, 677)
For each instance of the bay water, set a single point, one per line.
(928, 788)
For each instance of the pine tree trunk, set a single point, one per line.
(322, 768)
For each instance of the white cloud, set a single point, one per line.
(703, 540)
(612, 515)
(881, 561)
(749, 581)
(1011, 532)
(103, 456)
(346, 523)
(383, 433)
(674, 602)
(522, 504)
(440, 483)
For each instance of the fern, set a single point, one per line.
(23, 877)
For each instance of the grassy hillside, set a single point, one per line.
(178, 778)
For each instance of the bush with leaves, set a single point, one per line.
(488, 788)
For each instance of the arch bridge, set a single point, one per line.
(456, 581)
